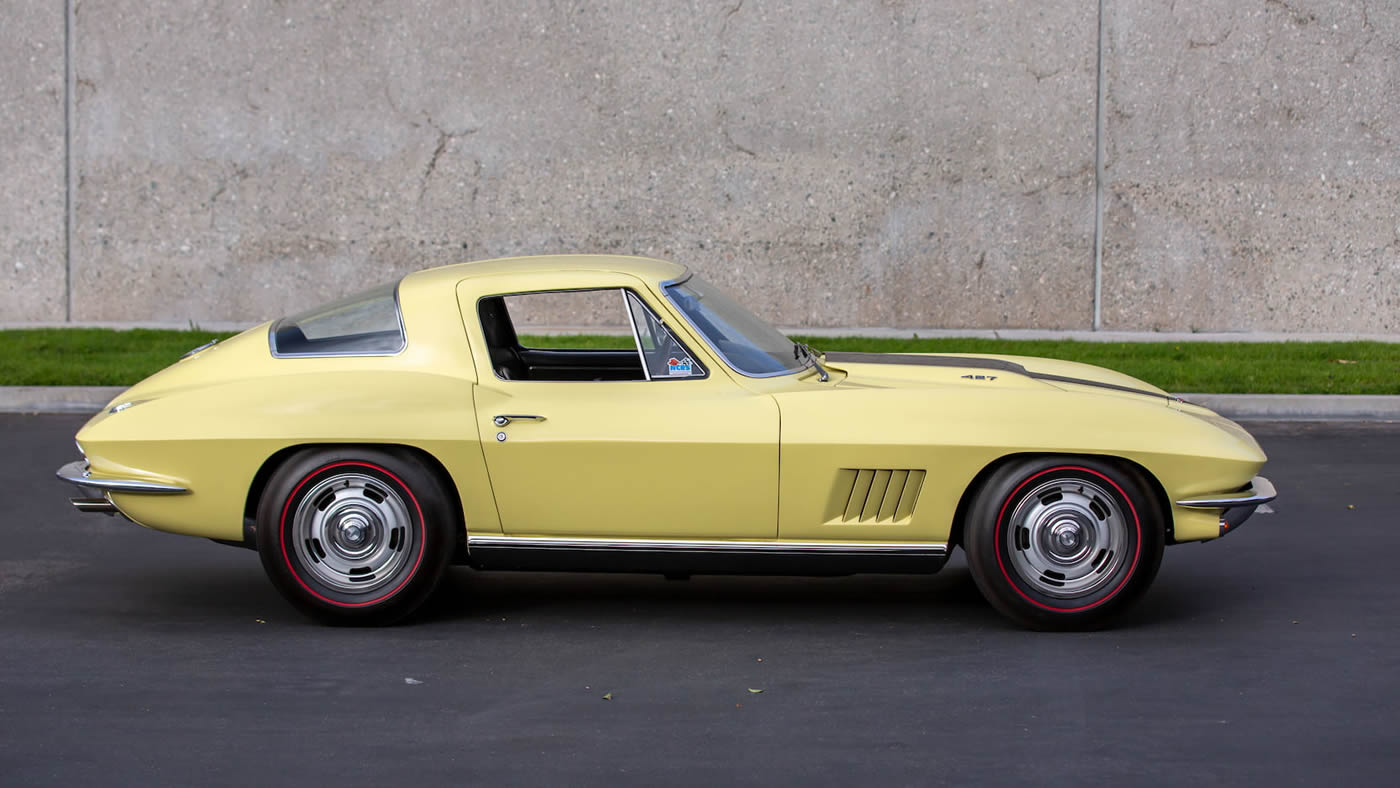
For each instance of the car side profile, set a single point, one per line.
(363, 447)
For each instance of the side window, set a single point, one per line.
(664, 355)
(556, 320)
(365, 324)
(583, 335)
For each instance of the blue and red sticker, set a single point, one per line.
(678, 367)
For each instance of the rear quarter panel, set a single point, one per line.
(209, 422)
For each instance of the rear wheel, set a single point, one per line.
(355, 535)
(1063, 543)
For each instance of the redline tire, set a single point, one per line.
(355, 535)
(1064, 543)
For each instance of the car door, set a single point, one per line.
(624, 442)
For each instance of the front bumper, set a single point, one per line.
(96, 492)
(1237, 506)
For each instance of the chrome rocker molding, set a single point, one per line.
(700, 556)
(1238, 506)
(720, 545)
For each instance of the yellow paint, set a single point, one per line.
(726, 456)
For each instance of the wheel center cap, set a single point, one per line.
(353, 530)
(1066, 536)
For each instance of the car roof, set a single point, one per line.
(642, 267)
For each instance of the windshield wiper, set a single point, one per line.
(801, 349)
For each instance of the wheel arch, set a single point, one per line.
(281, 456)
(1159, 494)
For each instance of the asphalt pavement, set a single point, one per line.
(129, 657)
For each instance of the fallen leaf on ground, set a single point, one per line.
(411, 681)
(1351, 506)
(754, 691)
(607, 696)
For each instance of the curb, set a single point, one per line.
(56, 399)
(1244, 407)
(1300, 407)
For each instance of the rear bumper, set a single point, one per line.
(1236, 506)
(95, 492)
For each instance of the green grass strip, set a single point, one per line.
(104, 357)
(91, 356)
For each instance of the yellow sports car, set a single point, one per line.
(363, 447)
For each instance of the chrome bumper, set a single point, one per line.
(94, 491)
(1238, 505)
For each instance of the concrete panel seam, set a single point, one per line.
(69, 96)
(1099, 116)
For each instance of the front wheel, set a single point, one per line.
(355, 535)
(1063, 543)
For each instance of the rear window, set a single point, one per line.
(366, 324)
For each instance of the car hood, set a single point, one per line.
(972, 369)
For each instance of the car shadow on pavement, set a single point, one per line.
(949, 599)
(468, 594)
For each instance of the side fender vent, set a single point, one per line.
(875, 496)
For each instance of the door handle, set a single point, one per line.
(506, 418)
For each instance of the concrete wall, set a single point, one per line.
(836, 164)
(1252, 165)
(32, 191)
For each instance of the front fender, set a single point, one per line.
(955, 432)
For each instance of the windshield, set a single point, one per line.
(749, 345)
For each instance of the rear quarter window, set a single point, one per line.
(365, 324)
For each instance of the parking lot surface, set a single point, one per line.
(1269, 657)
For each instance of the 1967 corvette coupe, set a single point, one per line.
(363, 447)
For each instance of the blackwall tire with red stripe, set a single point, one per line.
(1064, 543)
(355, 535)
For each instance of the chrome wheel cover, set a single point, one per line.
(1067, 538)
(352, 533)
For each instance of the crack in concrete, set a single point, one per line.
(1350, 59)
(728, 14)
(1192, 43)
(437, 154)
(239, 173)
(1079, 173)
(80, 84)
(1300, 18)
(444, 139)
(1041, 76)
(394, 105)
(723, 121)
